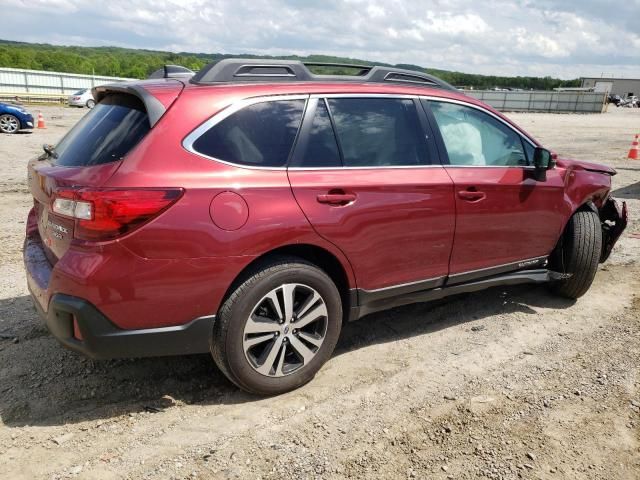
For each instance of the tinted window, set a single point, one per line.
(378, 131)
(105, 134)
(473, 137)
(320, 148)
(259, 135)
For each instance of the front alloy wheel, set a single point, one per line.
(9, 123)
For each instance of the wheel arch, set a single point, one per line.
(587, 205)
(324, 259)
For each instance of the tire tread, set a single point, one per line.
(218, 342)
(579, 254)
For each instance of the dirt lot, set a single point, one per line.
(507, 383)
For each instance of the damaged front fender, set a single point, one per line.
(614, 220)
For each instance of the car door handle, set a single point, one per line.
(337, 198)
(472, 195)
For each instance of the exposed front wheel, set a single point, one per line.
(278, 327)
(577, 254)
(9, 123)
(91, 104)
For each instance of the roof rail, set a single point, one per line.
(172, 71)
(240, 70)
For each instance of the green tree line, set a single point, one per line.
(138, 63)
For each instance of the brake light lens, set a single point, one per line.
(105, 214)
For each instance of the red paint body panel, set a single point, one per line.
(399, 229)
(165, 91)
(44, 179)
(520, 218)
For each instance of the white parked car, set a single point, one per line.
(82, 98)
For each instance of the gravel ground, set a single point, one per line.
(503, 384)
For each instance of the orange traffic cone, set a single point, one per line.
(41, 121)
(633, 153)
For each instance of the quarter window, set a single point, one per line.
(260, 135)
(374, 132)
(472, 137)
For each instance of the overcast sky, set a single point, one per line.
(567, 39)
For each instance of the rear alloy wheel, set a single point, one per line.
(91, 103)
(577, 254)
(278, 339)
(278, 327)
(9, 123)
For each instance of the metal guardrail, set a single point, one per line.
(33, 98)
(25, 81)
(542, 101)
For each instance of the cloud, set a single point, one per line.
(568, 38)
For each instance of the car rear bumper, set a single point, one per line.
(81, 327)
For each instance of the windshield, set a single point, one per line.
(80, 92)
(105, 134)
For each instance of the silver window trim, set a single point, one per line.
(234, 107)
(428, 97)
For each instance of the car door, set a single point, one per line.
(365, 173)
(506, 219)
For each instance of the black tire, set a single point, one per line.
(91, 104)
(229, 327)
(578, 254)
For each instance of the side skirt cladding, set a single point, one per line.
(434, 289)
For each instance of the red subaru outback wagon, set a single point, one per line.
(252, 208)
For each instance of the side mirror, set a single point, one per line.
(542, 161)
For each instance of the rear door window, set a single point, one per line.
(258, 135)
(318, 148)
(378, 132)
(105, 134)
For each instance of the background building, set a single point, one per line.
(618, 86)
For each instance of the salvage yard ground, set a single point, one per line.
(503, 384)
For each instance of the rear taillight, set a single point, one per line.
(104, 214)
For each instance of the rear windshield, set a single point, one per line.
(80, 92)
(105, 134)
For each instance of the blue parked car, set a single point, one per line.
(14, 118)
